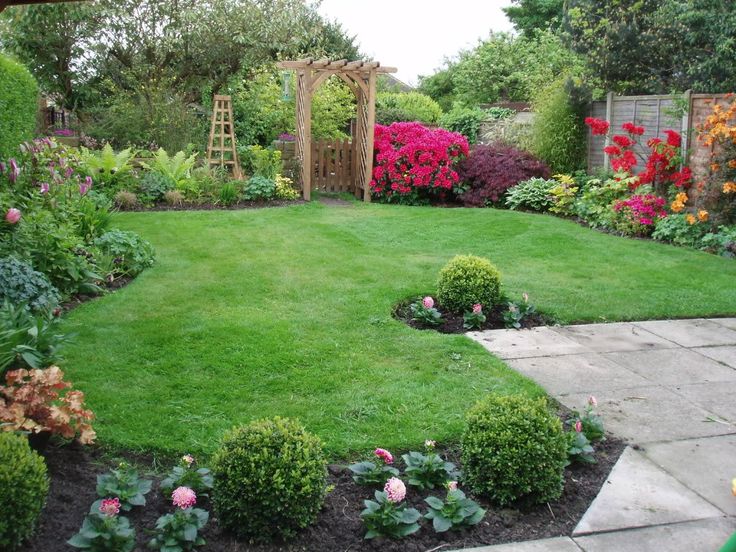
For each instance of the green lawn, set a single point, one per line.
(287, 312)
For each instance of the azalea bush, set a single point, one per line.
(638, 215)
(489, 171)
(40, 400)
(415, 164)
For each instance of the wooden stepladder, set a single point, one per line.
(221, 150)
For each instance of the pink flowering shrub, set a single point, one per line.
(415, 163)
(638, 215)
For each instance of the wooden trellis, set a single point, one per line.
(360, 76)
(222, 150)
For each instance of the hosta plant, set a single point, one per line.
(103, 530)
(428, 470)
(187, 474)
(179, 532)
(425, 312)
(455, 512)
(386, 516)
(40, 400)
(124, 484)
(376, 472)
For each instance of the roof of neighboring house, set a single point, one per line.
(516, 106)
(390, 81)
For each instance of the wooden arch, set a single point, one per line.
(360, 76)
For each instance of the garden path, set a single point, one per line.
(666, 387)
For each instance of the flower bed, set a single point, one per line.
(73, 472)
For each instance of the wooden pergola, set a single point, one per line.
(360, 76)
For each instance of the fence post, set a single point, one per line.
(685, 128)
(609, 118)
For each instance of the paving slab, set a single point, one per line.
(726, 355)
(698, 332)
(704, 465)
(673, 366)
(579, 373)
(604, 338)
(706, 535)
(716, 397)
(559, 544)
(637, 494)
(728, 322)
(536, 342)
(648, 414)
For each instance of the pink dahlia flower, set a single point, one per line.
(428, 302)
(384, 455)
(452, 486)
(184, 497)
(578, 426)
(477, 308)
(395, 490)
(12, 216)
(110, 507)
(592, 401)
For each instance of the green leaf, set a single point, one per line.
(441, 523)
(434, 502)
(78, 541)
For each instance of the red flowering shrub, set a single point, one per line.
(491, 170)
(638, 214)
(662, 163)
(414, 162)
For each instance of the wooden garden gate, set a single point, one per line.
(334, 166)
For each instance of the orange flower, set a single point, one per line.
(729, 187)
(690, 219)
(676, 206)
(702, 215)
(681, 197)
(732, 164)
(715, 167)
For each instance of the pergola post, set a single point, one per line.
(361, 77)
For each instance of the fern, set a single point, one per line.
(105, 166)
(177, 168)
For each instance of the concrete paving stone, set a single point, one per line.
(691, 333)
(578, 373)
(558, 544)
(717, 397)
(728, 322)
(673, 366)
(637, 494)
(542, 341)
(706, 535)
(726, 355)
(604, 338)
(703, 465)
(649, 414)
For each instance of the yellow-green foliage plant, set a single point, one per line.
(18, 106)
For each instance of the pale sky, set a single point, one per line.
(417, 35)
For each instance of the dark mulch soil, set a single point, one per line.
(218, 206)
(109, 287)
(453, 323)
(73, 471)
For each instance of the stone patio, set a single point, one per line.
(667, 387)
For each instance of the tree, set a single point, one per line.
(440, 86)
(529, 16)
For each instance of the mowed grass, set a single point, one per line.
(287, 311)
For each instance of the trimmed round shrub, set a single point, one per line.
(406, 107)
(467, 280)
(270, 480)
(514, 448)
(19, 283)
(23, 489)
(18, 105)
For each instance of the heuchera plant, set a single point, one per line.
(40, 400)
(415, 162)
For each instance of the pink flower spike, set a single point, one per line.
(14, 171)
(110, 507)
(12, 216)
(184, 497)
(395, 490)
(85, 186)
(592, 401)
(428, 302)
(477, 308)
(44, 187)
(384, 455)
(578, 426)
